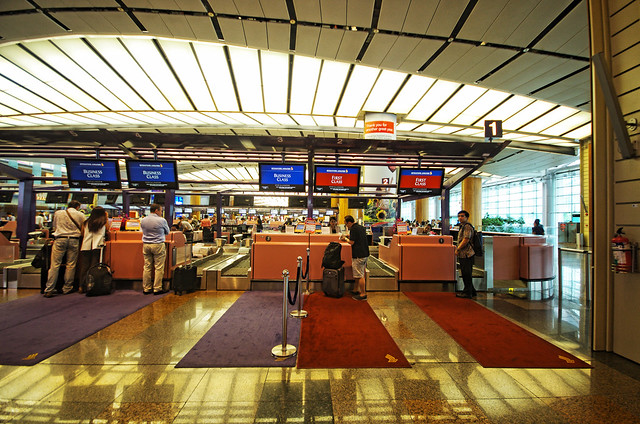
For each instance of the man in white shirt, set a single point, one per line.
(39, 220)
(67, 224)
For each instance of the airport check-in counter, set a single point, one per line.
(515, 257)
(273, 252)
(421, 258)
(123, 253)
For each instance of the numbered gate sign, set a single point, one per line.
(492, 129)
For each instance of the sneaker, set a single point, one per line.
(463, 295)
(355, 293)
(49, 294)
(161, 292)
(358, 297)
(147, 291)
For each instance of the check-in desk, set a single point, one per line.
(536, 258)
(123, 253)
(273, 252)
(421, 258)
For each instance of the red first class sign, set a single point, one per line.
(421, 181)
(336, 180)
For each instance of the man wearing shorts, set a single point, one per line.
(359, 254)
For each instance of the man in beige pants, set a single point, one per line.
(154, 231)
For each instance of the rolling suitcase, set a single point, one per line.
(333, 282)
(184, 278)
(99, 279)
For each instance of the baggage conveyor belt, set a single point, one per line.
(380, 276)
(232, 272)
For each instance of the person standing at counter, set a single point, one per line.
(464, 252)
(93, 237)
(67, 224)
(154, 230)
(359, 254)
(537, 229)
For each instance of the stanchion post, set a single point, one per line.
(284, 350)
(300, 313)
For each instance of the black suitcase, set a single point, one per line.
(333, 282)
(99, 279)
(184, 278)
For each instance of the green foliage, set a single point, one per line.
(504, 225)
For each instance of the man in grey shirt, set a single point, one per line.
(67, 224)
(154, 231)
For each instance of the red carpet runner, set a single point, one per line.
(345, 333)
(493, 341)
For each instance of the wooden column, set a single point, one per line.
(472, 200)
(422, 209)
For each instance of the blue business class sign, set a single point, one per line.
(282, 177)
(152, 175)
(84, 173)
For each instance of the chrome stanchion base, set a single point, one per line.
(299, 313)
(287, 352)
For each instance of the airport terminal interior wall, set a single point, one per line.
(625, 62)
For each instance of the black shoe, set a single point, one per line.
(358, 297)
(70, 291)
(463, 295)
(161, 292)
(355, 293)
(147, 291)
(49, 294)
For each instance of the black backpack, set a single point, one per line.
(332, 256)
(476, 241)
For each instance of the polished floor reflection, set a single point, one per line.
(125, 374)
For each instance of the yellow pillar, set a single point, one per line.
(472, 200)
(343, 210)
(422, 209)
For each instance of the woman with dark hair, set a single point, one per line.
(94, 234)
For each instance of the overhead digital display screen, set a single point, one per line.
(420, 181)
(55, 197)
(87, 173)
(83, 198)
(337, 179)
(357, 203)
(152, 175)
(282, 177)
(6, 196)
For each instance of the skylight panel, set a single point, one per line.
(282, 119)
(480, 107)
(383, 91)
(527, 114)
(410, 94)
(458, 103)
(148, 56)
(579, 133)
(184, 63)
(509, 108)
(216, 71)
(569, 124)
(330, 85)
(431, 101)
(358, 89)
(303, 84)
(549, 119)
(246, 70)
(275, 80)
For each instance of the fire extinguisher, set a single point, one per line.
(621, 252)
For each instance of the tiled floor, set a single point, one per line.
(125, 374)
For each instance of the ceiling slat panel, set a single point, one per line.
(224, 7)
(28, 26)
(477, 62)
(508, 73)
(79, 23)
(307, 40)
(484, 14)
(278, 36)
(448, 59)
(7, 5)
(398, 53)
(379, 49)
(154, 24)
(256, 34)
(233, 31)
(351, 44)
(329, 43)
(121, 22)
(249, 7)
(334, 11)
(507, 21)
(275, 9)
(202, 28)
(359, 13)
(446, 17)
(189, 5)
(179, 26)
(308, 10)
(551, 75)
(573, 27)
(393, 14)
(418, 56)
(541, 16)
(419, 16)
